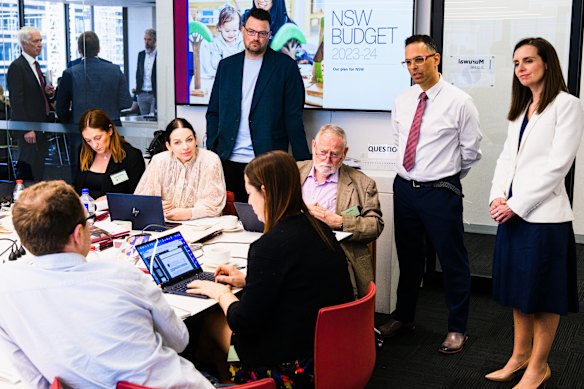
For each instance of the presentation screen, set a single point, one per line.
(348, 53)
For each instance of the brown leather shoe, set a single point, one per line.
(394, 327)
(453, 343)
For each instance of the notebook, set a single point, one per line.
(141, 210)
(248, 217)
(172, 264)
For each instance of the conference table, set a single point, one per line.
(237, 242)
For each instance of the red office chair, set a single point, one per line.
(266, 383)
(129, 385)
(56, 384)
(344, 344)
(229, 206)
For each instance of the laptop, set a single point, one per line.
(141, 210)
(248, 217)
(172, 264)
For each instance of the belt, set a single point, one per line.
(147, 91)
(441, 183)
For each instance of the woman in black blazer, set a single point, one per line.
(294, 269)
(107, 163)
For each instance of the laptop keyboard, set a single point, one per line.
(182, 286)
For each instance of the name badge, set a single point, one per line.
(353, 211)
(119, 177)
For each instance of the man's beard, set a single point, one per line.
(326, 169)
(259, 51)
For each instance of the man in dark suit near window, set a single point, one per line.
(256, 104)
(93, 83)
(30, 99)
(146, 75)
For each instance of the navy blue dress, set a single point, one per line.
(534, 266)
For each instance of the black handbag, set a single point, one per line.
(157, 145)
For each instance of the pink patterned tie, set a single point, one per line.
(410, 153)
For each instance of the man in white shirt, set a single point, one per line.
(437, 132)
(92, 324)
(146, 74)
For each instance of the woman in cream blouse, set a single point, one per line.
(189, 180)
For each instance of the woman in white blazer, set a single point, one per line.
(534, 266)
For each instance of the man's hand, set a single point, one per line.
(50, 90)
(324, 215)
(30, 137)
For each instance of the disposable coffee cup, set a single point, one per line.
(215, 256)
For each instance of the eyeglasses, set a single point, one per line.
(324, 154)
(89, 220)
(261, 34)
(417, 60)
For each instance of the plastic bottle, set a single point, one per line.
(87, 201)
(18, 188)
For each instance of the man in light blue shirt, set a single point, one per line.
(92, 324)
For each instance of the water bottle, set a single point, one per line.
(18, 188)
(87, 201)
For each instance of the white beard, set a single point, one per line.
(326, 169)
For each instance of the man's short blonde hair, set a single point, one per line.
(46, 215)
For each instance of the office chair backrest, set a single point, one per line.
(266, 383)
(344, 344)
(229, 206)
(129, 385)
(56, 384)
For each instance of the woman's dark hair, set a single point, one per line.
(553, 80)
(96, 118)
(277, 173)
(177, 123)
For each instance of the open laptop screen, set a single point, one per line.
(172, 258)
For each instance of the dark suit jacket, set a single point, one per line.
(275, 117)
(93, 83)
(291, 275)
(140, 73)
(26, 96)
(134, 166)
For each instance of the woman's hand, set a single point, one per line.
(167, 205)
(207, 288)
(178, 214)
(230, 275)
(500, 211)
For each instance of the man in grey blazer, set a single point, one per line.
(30, 99)
(343, 198)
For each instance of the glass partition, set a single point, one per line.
(60, 24)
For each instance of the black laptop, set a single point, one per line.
(248, 217)
(141, 210)
(172, 264)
